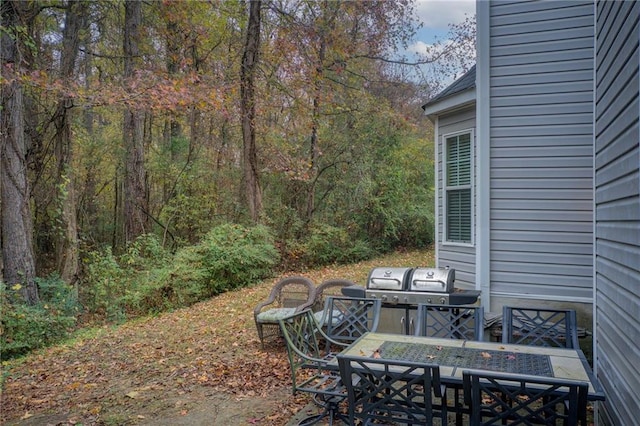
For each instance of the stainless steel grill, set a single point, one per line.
(402, 289)
(411, 286)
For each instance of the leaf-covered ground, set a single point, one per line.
(201, 365)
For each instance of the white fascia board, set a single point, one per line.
(452, 103)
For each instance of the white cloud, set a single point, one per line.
(418, 47)
(438, 14)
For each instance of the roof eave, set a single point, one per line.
(450, 103)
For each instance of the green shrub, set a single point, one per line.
(145, 279)
(144, 253)
(234, 256)
(328, 244)
(104, 285)
(25, 328)
(114, 286)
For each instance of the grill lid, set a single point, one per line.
(385, 278)
(438, 280)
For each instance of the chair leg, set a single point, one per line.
(330, 410)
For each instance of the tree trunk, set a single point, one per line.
(315, 116)
(17, 222)
(67, 251)
(253, 196)
(135, 199)
(172, 128)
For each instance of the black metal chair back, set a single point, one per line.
(500, 398)
(301, 334)
(540, 327)
(348, 318)
(450, 321)
(392, 392)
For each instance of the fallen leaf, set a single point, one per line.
(485, 355)
(26, 416)
(439, 347)
(511, 357)
(376, 354)
(132, 394)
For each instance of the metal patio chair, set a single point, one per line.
(392, 392)
(540, 327)
(500, 398)
(453, 322)
(288, 296)
(332, 287)
(310, 371)
(347, 318)
(450, 321)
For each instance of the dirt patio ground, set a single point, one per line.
(201, 365)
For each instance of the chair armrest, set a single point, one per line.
(308, 304)
(261, 305)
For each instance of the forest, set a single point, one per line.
(156, 153)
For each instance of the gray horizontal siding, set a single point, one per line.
(539, 162)
(574, 76)
(541, 158)
(533, 247)
(514, 12)
(544, 38)
(617, 209)
(546, 183)
(460, 258)
(542, 215)
(532, 173)
(542, 236)
(532, 99)
(541, 258)
(567, 226)
(511, 54)
(541, 131)
(553, 112)
(556, 287)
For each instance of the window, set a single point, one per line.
(457, 188)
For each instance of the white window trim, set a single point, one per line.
(472, 137)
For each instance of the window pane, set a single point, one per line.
(459, 215)
(458, 153)
(458, 181)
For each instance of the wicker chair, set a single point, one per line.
(328, 288)
(288, 296)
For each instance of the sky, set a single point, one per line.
(436, 16)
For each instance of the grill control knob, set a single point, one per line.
(383, 297)
(395, 299)
(428, 300)
(443, 301)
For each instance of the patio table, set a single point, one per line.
(453, 356)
